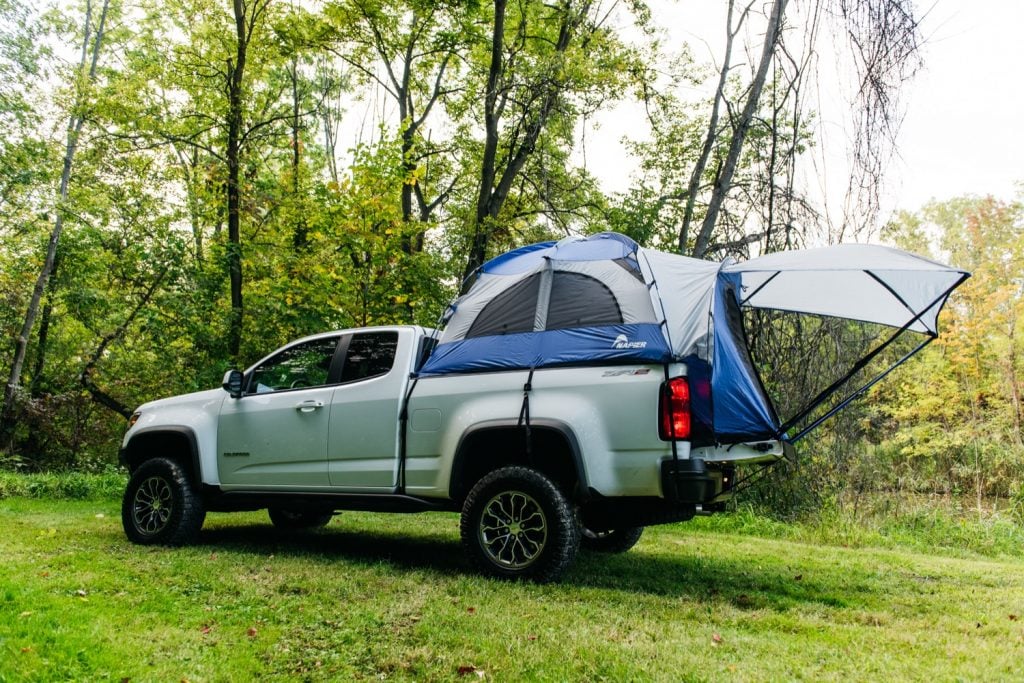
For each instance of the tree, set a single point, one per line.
(84, 77)
(741, 126)
(542, 62)
(959, 414)
(417, 45)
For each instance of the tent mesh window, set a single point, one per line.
(510, 312)
(580, 301)
(576, 301)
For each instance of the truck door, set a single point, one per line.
(276, 434)
(363, 445)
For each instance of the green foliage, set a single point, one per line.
(107, 485)
(954, 423)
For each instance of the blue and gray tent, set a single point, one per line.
(603, 299)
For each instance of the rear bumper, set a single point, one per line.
(693, 481)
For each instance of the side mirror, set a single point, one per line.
(233, 383)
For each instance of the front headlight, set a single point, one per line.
(133, 419)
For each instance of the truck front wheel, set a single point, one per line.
(517, 524)
(160, 505)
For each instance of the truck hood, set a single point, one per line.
(199, 399)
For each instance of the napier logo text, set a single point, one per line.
(622, 342)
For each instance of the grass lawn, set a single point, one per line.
(391, 597)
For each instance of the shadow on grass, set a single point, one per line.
(431, 552)
(772, 584)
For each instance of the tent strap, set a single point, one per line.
(524, 415)
(403, 434)
(859, 392)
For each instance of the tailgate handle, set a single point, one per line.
(309, 406)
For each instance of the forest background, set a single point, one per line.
(186, 186)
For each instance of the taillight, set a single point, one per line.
(674, 410)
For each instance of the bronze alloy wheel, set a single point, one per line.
(513, 530)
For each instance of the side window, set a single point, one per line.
(370, 354)
(580, 301)
(510, 312)
(302, 365)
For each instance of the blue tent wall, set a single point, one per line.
(638, 342)
(740, 408)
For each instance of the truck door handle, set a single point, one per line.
(309, 406)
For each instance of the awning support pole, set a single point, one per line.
(814, 425)
(859, 365)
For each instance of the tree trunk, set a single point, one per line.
(709, 140)
(301, 230)
(495, 188)
(236, 72)
(724, 181)
(90, 55)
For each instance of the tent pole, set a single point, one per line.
(859, 365)
(814, 425)
(760, 287)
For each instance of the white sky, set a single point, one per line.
(962, 133)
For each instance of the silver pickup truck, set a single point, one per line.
(341, 421)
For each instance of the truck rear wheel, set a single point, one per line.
(160, 505)
(294, 520)
(612, 541)
(517, 524)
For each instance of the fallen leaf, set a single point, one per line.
(205, 629)
(44, 574)
(126, 679)
(252, 632)
(716, 639)
(531, 637)
(26, 650)
(466, 669)
(1013, 617)
(471, 610)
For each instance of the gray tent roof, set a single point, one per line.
(863, 282)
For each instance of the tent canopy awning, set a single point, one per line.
(863, 282)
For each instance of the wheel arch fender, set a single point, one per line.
(462, 477)
(153, 442)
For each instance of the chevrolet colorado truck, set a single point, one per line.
(537, 462)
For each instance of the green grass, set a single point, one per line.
(391, 597)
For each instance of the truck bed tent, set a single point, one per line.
(603, 299)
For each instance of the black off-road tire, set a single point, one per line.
(516, 523)
(161, 506)
(613, 541)
(298, 520)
